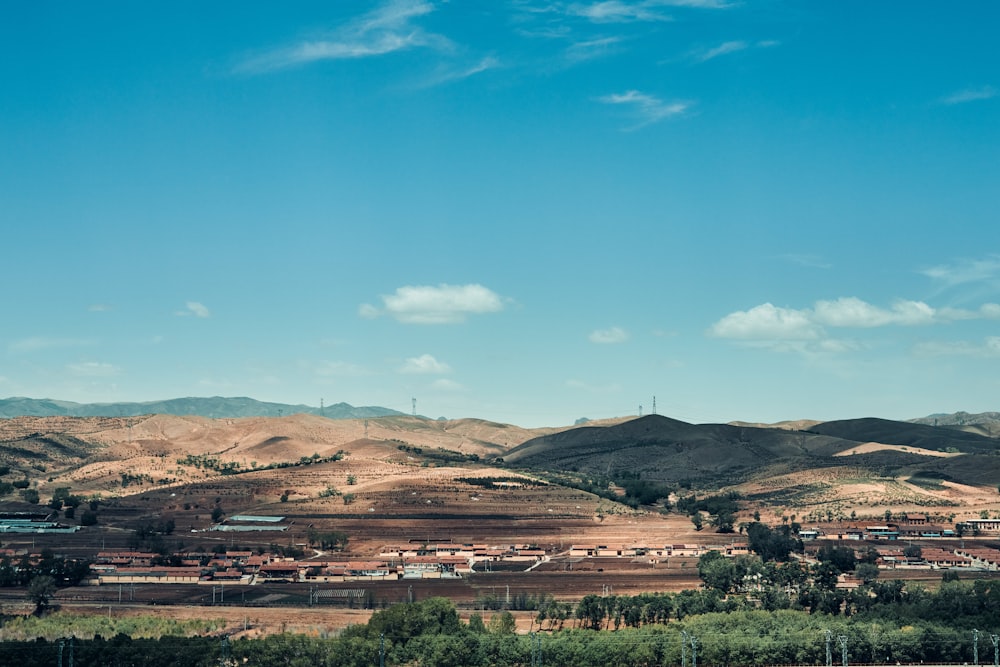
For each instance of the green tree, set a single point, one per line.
(717, 571)
(40, 591)
(866, 572)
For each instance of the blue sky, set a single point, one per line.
(525, 211)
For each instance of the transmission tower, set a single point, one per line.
(843, 647)
(684, 648)
(322, 410)
(414, 401)
(996, 649)
(975, 646)
(654, 405)
(829, 649)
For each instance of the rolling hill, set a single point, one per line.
(663, 449)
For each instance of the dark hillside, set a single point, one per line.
(890, 432)
(669, 450)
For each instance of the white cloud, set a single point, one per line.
(701, 4)
(853, 312)
(767, 322)
(447, 75)
(385, 30)
(734, 46)
(990, 311)
(965, 271)
(194, 308)
(592, 48)
(617, 11)
(970, 95)
(722, 49)
(99, 308)
(425, 364)
(990, 347)
(93, 369)
(443, 304)
(608, 336)
(648, 108)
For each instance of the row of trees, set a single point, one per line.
(431, 633)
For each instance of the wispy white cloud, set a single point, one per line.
(425, 364)
(609, 336)
(93, 369)
(965, 271)
(443, 304)
(699, 4)
(990, 347)
(721, 50)
(449, 74)
(970, 95)
(385, 30)
(194, 308)
(99, 308)
(727, 48)
(590, 49)
(617, 11)
(647, 108)
(625, 11)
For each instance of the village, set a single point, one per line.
(419, 559)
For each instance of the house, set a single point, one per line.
(984, 525)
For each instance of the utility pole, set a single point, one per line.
(975, 646)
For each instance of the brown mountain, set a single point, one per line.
(664, 449)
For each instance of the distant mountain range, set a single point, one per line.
(216, 407)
